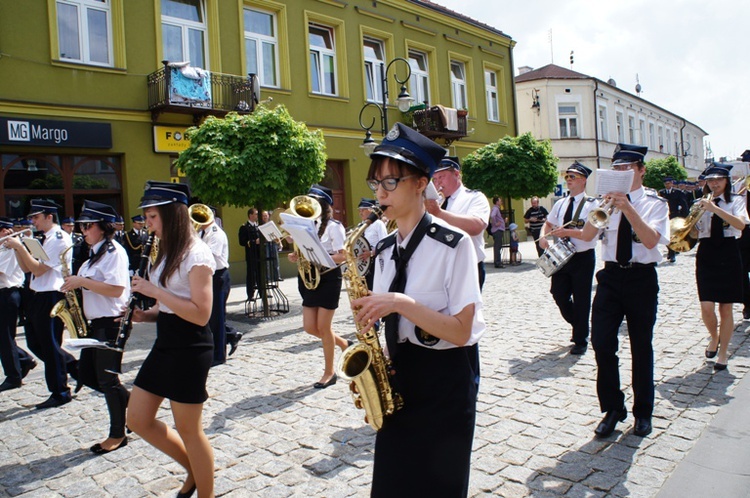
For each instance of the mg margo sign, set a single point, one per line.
(48, 133)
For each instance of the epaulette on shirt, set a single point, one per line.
(214, 229)
(590, 199)
(385, 243)
(59, 235)
(653, 193)
(443, 234)
(111, 247)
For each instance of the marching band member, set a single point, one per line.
(105, 281)
(250, 237)
(628, 287)
(319, 304)
(16, 361)
(133, 242)
(427, 292)
(374, 233)
(571, 285)
(463, 208)
(44, 333)
(718, 265)
(178, 364)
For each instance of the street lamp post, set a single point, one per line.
(403, 101)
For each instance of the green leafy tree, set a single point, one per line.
(261, 159)
(658, 169)
(513, 167)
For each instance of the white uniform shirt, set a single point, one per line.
(111, 268)
(655, 212)
(375, 232)
(441, 277)
(334, 236)
(556, 216)
(735, 207)
(474, 203)
(11, 274)
(56, 240)
(216, 239)
(179, 283)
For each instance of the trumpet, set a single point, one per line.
(743, 183)
(599, 217)
(200, 215)
(15, 234)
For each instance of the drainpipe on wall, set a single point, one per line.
(596, 125)
(513, 93)
(682, 141)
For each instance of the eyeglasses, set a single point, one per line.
(572, 177)
(388, 184)
(623, 167)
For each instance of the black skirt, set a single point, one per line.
(177, 366)
(326, 295)
(718, 270)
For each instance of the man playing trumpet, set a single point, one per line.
(571, 284)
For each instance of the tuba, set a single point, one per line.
(364, 364)
(305, 206)
(200, 215)
(69, 310)
(680, 239)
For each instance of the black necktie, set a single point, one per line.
(624, 241)
(401, 257)
(444, 205)
(569, 213)
(203, 233)
(717, 224)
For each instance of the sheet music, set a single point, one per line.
(35, 248)
(305, 235)
(431, 192)
(270, 231)
(608, 181)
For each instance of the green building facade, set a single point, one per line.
(83, 113)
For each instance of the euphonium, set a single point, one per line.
(200, 215)
(680, 239)
(68, 310)
(364, 364)
(305, 206)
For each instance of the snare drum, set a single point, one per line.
(555, 257)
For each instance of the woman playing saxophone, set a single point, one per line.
(426, 290)
(105, 281)
(718, 266)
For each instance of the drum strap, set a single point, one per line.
(580, 208)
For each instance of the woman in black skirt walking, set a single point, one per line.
(319, 304)
(177, 366)
(718, 266)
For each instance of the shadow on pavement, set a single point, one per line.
(15, 477)
(697, 389)
(548, 365)
(351, 448)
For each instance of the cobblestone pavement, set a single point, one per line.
(275, 436)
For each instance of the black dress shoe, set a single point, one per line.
(746, 315)
(642, 427)
(711, 354)
(53, 402)
(186, 494)
(7, 385)
(234, 341)
(578, 349)
(323, 385)
(27, 367)
(98, 450)
(608, 423)
(719, 366)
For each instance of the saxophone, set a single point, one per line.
(364, 364)
(69, 310)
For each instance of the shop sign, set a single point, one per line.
(170, 139)
(49, 133)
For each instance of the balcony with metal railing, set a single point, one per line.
(434, 122)
(178, 88)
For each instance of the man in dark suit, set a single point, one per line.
(134, 239)
(250, 239)
(678, 206)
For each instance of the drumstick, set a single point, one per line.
(563, 226)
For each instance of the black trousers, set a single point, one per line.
(218, 320)
(571, 289)
(482, 274)
(44, 337)
(535, 232)
(632, 294)
(93, 372)
(11, 355)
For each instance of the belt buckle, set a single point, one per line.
(627, 266)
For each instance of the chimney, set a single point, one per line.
(524, 70)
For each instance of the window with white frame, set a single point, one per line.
(493, 102)
(620, 131)
(322, 59)
(374, 60)
(676, 144)
(631, 130)
(603, 131)
(458, 85)
(660, 134)
(667, 142)
(183, 29)
(642, 131)
(568, 118)
(261, 46)
(84, 30)
(651, 140)
(419, 83)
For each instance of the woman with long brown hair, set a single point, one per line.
(718, 265)
(178, 364)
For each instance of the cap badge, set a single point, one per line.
(393, 134)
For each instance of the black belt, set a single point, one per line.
(629, 266)
(10, 289)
